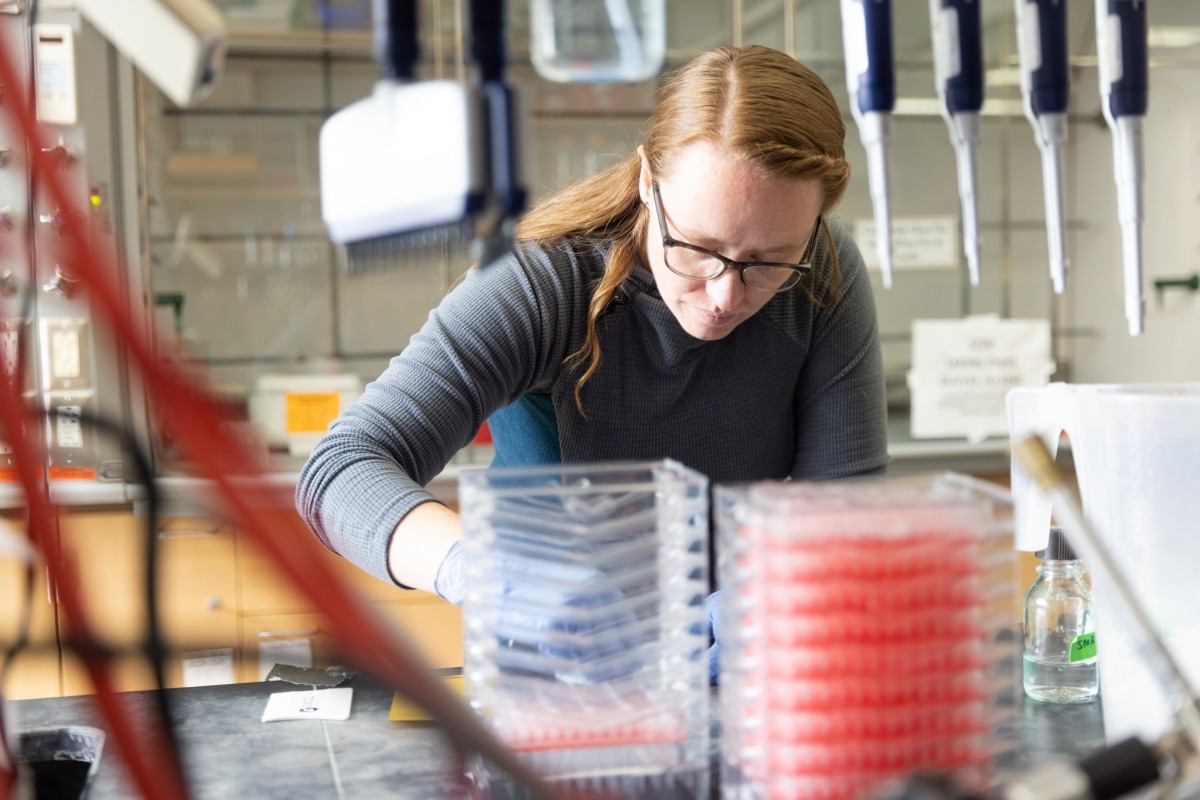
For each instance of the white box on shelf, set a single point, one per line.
(294, 411)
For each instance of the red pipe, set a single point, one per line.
(193, 420)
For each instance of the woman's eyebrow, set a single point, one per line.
(711, 243)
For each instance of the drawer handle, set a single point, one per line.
(281, 634)
(188, 533)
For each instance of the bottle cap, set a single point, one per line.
(1058, 548)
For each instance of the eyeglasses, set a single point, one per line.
(690, 261)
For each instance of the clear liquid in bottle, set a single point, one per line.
(1060, 631)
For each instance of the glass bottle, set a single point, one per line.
(1060, 630)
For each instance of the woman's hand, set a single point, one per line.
(714, 629)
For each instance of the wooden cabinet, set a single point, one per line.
(433, 625)
(302, 639)
(280, 623)
(306, 638)
(225, 611)
(197, 597)
(26, 605)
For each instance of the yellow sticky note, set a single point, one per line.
(404, 710)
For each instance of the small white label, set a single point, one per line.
(309, 704)
(54, 57)
(917, 242)
(68, 428)
(9, 349)
(208, 667)
(64, 354)
(963, 369)
(297, 652)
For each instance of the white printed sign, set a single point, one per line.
(917, 242)
(69, 427)
(963, 368)
(208, 667)
(309, 704)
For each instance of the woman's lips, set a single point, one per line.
(709, 318)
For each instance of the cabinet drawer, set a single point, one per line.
(266, 590)
(305, 639)
(434, 628)
(299, 639)
(35, 671)
(197, 591)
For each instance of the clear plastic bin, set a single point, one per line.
(585, 620)
(598, 41)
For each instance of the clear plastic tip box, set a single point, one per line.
(585, 621)
(862, 636)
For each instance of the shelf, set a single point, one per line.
(243, 193)
(300, 42)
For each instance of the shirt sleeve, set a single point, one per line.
(841, 402)
(496, 334)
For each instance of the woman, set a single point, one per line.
(693, 302)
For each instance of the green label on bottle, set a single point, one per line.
(1083, 647)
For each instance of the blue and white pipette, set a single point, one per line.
(1046, 88)
(871, 81)
(1124, 88)
(958, 71)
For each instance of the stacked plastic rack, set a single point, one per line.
(584, 621)
(863, 636)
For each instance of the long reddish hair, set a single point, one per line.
(754, 103)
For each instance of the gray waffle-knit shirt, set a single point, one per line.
(794, 391)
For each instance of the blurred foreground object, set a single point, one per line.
(1130, 764)
(1133, 449)
(421, 164)
(178, 44)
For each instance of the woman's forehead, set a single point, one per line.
(703, 166)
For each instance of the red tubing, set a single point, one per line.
(151, 769)
(193, 420)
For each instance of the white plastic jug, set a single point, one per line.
(1136, 451)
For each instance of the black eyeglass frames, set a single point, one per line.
(697, 263)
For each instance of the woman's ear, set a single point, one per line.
(644, 177)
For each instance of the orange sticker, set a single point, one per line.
(72, 473)
(311, 412)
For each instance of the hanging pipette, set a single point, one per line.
(871, 81)
(1046, 87)
(958, 72)
(1124, 84)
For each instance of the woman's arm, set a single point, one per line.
(420, 543)
(501, 331)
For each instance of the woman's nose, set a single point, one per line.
(725, 291)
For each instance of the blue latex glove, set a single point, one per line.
(589, 651)
(568, 613)
(449, 579)
(713, 606)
